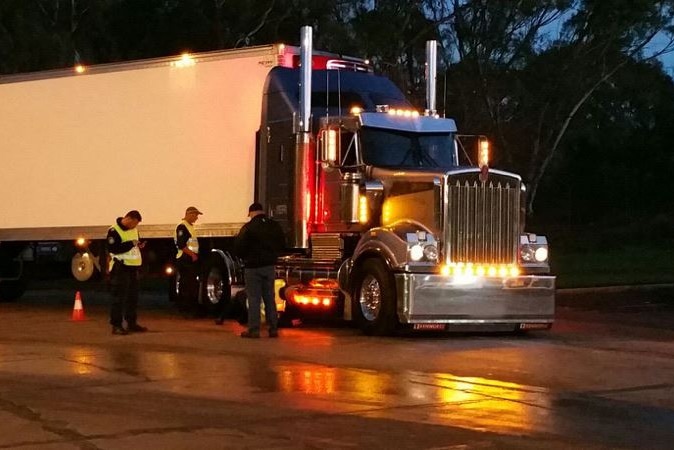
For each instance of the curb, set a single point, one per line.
(615, 289)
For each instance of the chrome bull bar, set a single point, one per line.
(440, 299)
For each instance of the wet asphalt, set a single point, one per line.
(603, 377)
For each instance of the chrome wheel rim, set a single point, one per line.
(370, 297)
(215, 286)
(82, 266)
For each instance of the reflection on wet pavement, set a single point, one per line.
(474, 403)
(553, 388)
(439, 398)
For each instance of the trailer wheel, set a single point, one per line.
(375, 299)
(11, 290)
(82, 266)
(216, 289)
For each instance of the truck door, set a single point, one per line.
(274, 188)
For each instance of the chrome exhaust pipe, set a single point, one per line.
(431, 74)
(303, 165)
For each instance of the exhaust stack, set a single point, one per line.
(306, 49)
(303, 165)
(431, 73)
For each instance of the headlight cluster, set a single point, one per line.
(422, 247)
(533, 249)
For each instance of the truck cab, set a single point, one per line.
(399, 231)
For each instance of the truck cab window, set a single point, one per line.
(390, 148)
(349, 151)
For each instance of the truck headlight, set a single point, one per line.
(421, 247)
(431, 252)
(541, 254)
(533, 249)
(416, 252)
(426, 252)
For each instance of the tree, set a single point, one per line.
(527, 89)
(617, 154)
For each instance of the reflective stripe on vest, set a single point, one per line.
(133, 256)
(192, 242)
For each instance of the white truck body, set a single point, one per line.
(79, 150)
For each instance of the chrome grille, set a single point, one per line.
(482, 220)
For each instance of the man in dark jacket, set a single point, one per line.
(259, 243)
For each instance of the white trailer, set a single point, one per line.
(80, 149)
(83, 146)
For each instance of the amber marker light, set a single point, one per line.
(483, 157)
(186, 60)
(168, 270)
(80, 242)
(331, 150)
(363, 213)
(79, 68)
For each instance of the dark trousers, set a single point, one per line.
(124, 286)
(260, 285)
(188, 289)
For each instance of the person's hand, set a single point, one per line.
(140, 244)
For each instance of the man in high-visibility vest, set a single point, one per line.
(125, 260)
(187, 260)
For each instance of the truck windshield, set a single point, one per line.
(392, 148)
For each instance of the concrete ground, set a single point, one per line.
(602, 378)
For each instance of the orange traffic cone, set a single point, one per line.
(78, 310)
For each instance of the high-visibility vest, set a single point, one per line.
(133, 256)
(192, 242)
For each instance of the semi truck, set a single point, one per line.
(392, 220)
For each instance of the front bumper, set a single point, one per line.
(439, 299)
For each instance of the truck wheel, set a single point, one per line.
(375, 299)
(11, 290)
(216, 289)
(82, 266)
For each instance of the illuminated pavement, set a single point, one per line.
(592, 382)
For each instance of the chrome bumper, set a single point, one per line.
(431, 298)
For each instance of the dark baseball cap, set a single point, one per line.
(255, 207)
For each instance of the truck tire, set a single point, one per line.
(216, 289)
(11, 290)
(374, 299)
